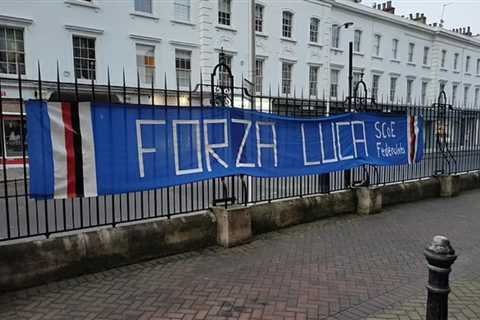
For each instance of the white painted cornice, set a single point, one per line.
(15, 20)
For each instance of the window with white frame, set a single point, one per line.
(334, 76)
(466, 91)
(477, 96)
(376, 44)
(259, 75)
(144, 6)
(411, 51)
(259, 17)
(182, 10)
(375, 85)
(357, 41)
(357, 77)
(455, 61)
(12, 136)
(287, 24)
(224, 75)
(395, 49)
(424, 92)
(84, 57)
(409, 90)
(478, 67)
(393, 88)
(183, 67)
(444, 58)
(314, 27)
(426, 53)
(224, 12)
(146, 63)
(12, 50)
(467, 64)
(313, 81)
(287, 68)
(454, 93)
(443, 84)
(335, 36)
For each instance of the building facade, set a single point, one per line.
(301, 48)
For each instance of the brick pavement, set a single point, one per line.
(464, 304)
(342, 268)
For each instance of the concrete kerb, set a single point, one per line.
(32, 263)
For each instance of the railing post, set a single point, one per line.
(440, 256)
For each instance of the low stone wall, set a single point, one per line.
(280, 214)
(32, 263)
(36, 262)
(469, 181)
(410, 191)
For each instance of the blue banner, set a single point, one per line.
(89, 149)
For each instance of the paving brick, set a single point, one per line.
(347, 267)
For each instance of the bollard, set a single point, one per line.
(440, 256)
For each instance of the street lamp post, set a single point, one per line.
(348, 173)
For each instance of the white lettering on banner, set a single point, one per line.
(339, 142)
(305, 161)
(261, 145)
(363, 140)
(209, 147)
(140, 149)
(196, 125)
(386, 151)
(385, 129)
(248, 125)
(322, 146)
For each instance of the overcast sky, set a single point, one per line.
(461, 13)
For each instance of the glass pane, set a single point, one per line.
(11, 57)
(10, 34)
(12, 68)
(143, 5)
(3, 67)
(11, 46)
(20, 58)
(91, 43)
(20, 46)
(19, 34)
(13, 141)
(21, 67)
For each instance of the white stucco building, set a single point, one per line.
(297, 46)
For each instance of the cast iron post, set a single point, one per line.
(440, 256)
(348, 172)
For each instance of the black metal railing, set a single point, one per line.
(451, 130)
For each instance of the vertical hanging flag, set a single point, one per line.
(74, 149)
